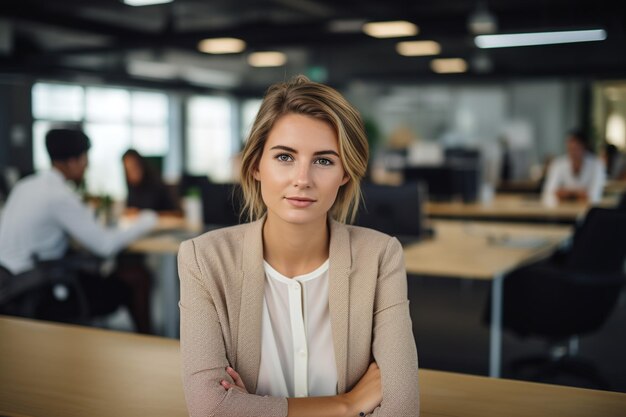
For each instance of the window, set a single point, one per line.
(249, 110)
(115, 119)
(209, 138)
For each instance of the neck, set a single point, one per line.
(294, 249)
(62, 168)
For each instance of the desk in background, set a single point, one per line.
(58, 370)
(483, 251)
(512, 208)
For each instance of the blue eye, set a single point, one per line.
(283, 157)
(324, 162)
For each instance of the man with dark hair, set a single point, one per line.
(577, 176)
(43, 212)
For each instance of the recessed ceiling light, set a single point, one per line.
(267, 59)
(394, 29)
(539, 38)
(482, 21)
(448, 65)
(146, 2)
(221, 45)
(418, 48)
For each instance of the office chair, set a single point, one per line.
(569, 295)
(23, 294)
(621, 205)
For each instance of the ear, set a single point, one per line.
(345, 179)
(256, 174)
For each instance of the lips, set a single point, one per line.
(300, 202)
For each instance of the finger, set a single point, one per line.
(235, 376)
(225, 384)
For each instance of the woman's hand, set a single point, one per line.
(367, 393)
(236, 378)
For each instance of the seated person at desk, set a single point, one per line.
(43, 212)
(146, 189)
(577, 176)
(296, 303)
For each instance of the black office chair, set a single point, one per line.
(24, 294)
(621, 205)
(571, 294)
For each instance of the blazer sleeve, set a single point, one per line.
(393, 344)
(203, 352)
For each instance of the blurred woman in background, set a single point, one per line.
(146, 189)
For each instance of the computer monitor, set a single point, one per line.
(221, 203)
(440, 181)
(447, 182)
(395, 210)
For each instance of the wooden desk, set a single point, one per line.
(484, 251)
(53, 370)
(615, 187)
(510, 207)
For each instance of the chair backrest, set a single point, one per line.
(395, 210)
(20, 294)
(621, 205)
(599, 244)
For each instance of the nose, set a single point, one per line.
(302, 176)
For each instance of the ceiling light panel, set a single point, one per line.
(221, 46)
(448, 65)
(418, 48)
(394, 29)
(267, 59)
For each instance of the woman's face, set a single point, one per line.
(134, 173)
(300, 171)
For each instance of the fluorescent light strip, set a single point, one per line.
(539, 38)
(146, 2)
(394, 29)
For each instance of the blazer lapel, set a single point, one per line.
(339, 295)
(250, 314)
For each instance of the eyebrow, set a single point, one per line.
(288, 149)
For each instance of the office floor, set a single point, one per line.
(450, 335)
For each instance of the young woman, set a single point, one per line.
(297, 313)
(146, 189)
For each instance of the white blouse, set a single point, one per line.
(297, 353)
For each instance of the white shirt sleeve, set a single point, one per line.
(80, 224)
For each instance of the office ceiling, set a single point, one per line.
(109, 41)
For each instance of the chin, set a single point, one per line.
(301, 217)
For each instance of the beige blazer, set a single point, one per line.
(221, 297)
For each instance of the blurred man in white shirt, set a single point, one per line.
(43, 212)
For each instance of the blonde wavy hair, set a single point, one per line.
(303, 96)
